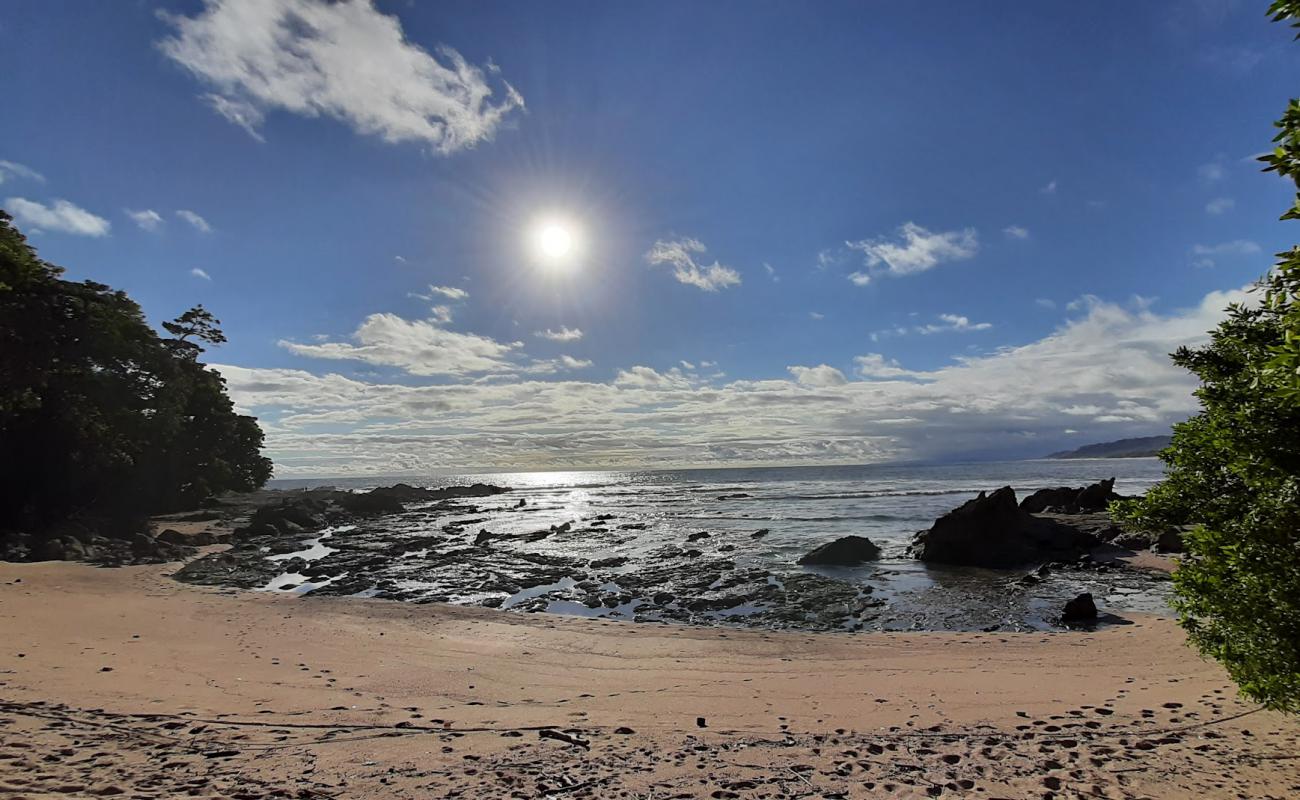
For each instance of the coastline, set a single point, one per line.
(457, 694)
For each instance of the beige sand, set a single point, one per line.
(123, 681)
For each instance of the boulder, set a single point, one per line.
(1133, 540)
(1065, 499)
(1097, 496)
(846, 551)
(1043, 499)
(173, 536)
(993, 531)
(1080, 609)
(369, 503)
(1171, 541)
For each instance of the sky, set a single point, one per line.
(655, 234)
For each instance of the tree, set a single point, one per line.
(1233, 471)
(99, 415)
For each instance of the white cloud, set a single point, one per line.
(953, 322)
(199, 273)
(830, 257)
(680, 254)
(345, 60)
(239, 112)
(400, 259)
(418, 346)
(1016, 232)
(1105, 374)
(1043, 302)
(1207, 255)
(63, 217)
(816, 315)
(200, 224)
(919, 250)
(563, 334)
(575, 363)
(12, 169)
(148, 219)
(1212, 172)
(440, 314)
(1220, 205)
(859, 278)
(819, 376)
(1050, 188)
(771, 272)
(875, 365)
(450, 292)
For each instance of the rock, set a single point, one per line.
(1080, 609)
(369, 503)
(1069, 500)
(1133, 540)
(602, 563)
(846, 551)
(483, 536)
(1097, 496)
(760, 533)
(1170, 541)
(992, 531)
(173, 536)
(737, 496)
(695, 537)
(1043, 499)
(405, 493)
(143, 546)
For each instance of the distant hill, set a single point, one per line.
(1124, 448)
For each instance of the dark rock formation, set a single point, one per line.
(1067, 500)
(1171, 541)
(1080, 609)
(992, 531)
(847, 551)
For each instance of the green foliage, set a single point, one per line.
(1233, 471)
(101, 416)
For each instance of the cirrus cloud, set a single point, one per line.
(680, 255)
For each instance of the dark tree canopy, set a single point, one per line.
(1234, 472)
(99, 415)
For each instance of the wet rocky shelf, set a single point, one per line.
(418, 545)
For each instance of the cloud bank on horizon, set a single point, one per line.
(1108, 367)
(354, 188)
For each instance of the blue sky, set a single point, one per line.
(830, 232)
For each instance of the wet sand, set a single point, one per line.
(122, 682)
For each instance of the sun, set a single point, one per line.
(555, 242)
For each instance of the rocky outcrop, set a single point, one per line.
(847, 551)
(1067, 500)
(1080, 609)
(993, 531)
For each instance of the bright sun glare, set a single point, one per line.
(555, 243)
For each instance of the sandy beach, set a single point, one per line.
(122, 682)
